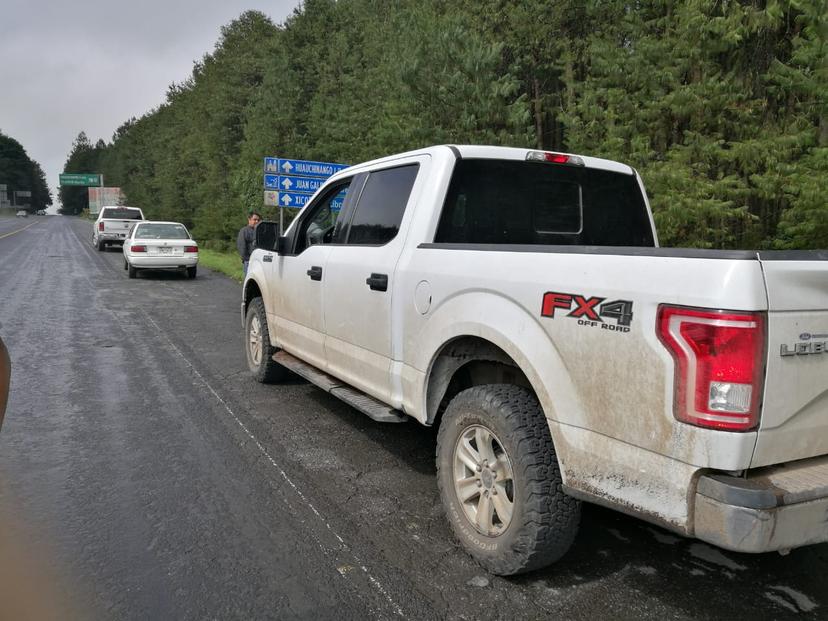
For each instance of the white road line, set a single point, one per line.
(374, 582)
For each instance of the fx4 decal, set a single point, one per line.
(589, 311)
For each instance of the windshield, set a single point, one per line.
(122, 214)
(162, 231)
(516, 202)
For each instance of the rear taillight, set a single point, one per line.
(191, 249)
(100, 226)
(138, 248)
(719, 365)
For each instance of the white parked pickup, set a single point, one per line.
(113, 224)
(519, 300)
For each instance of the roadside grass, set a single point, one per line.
(224, 262)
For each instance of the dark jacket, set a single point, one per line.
(246, 242)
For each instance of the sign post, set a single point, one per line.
(292, 183)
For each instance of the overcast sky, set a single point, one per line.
(92, 64)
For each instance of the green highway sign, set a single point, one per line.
(92, 179)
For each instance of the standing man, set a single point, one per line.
(246, 240)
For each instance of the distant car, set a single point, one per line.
(22, 214)
(41, 212)
(160, 245)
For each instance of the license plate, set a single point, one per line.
(165, 250)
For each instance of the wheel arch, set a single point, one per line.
(465, 362)
(250, 292)
(497, 331)
(503, 341)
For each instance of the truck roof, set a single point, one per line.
(492, 152)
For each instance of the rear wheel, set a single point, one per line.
(101, 245)
(257, 347)
(131, 271)
(191, 271)
(500, 482)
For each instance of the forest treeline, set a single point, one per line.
(722, 105)
(20, 173)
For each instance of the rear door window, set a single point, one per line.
(379, 212)
(516, 202)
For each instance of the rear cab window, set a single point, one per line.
(537, 203)
(121, 214)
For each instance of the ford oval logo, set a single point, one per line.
(805, 336)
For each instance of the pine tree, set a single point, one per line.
(20, 173)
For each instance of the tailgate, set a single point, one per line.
(794, 422)
(117, 226)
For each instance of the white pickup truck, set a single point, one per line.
(113, 224)
(519, 300)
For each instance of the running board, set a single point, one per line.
(366, 404)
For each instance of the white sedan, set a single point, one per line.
(160, 246)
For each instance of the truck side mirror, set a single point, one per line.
(267, 233)
(283, 245)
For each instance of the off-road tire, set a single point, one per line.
(131, 271)
(267, 371)
(192, 271)
(544, 520)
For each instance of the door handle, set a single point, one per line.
(315, 273)
(378, 282)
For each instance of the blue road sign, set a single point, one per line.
(305, 168)
(301, 168)
(297, 180)
(305, 185)
(300, 184)
(297, 199)
(293, 199)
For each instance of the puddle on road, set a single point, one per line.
(799, 602)
(711, 555)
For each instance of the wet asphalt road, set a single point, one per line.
(144, 467)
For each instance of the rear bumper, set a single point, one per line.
(774, 508)
(112, 237)
(187, 260)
